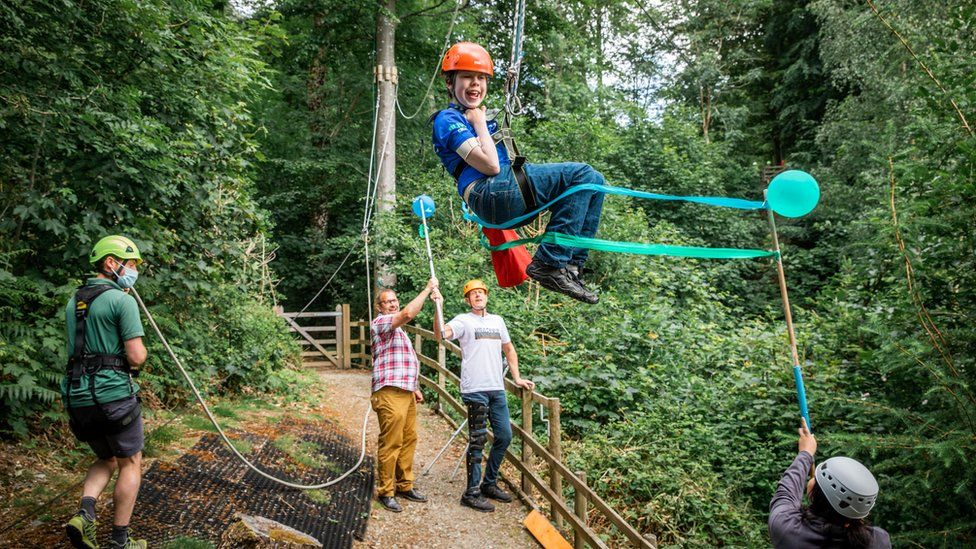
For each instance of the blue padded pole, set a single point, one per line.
(801, 393)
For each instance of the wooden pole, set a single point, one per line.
(580, 508)
(555, 448)
(797, 373)
(526, 395)
(346, 337)
(385, 139)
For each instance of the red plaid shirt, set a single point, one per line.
(394, 362)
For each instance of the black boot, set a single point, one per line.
(390, 503)
(477, 502)
(494, 492)
(559, 280)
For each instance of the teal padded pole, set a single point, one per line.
(801, 392)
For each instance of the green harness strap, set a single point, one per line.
(631, 247)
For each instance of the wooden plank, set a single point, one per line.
(310, 314)
(317, 364)
(544, 532)
(304, 334)
(320, 342)
(319, 328)
(311, 353)
(527, 426)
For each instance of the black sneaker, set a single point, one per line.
(494, 492)
(559, 280)
(575, 272)
(412, 495)
(477, 502)
(390, 503)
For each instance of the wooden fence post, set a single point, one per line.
(441, 379)
(346, 337)
(555, 448)
(362, 342)
(526, 395)
(418, 347)
(579, 508)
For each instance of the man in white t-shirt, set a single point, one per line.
(483, 338)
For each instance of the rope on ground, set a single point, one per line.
(213, 420)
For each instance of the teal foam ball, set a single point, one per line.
(423, 206)
(793, 193)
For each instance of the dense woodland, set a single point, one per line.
(220, 136)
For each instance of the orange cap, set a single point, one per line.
(468, 56)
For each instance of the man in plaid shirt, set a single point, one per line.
(395, 396)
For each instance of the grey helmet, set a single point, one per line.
(848, 485)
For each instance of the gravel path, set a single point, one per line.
(441, 522)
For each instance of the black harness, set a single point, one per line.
(82, 364)
(504, 135)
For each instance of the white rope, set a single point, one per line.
(227, 441)
(513, 105)
(433, 77)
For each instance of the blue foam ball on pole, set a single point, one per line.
(423, 206)
(793, 193)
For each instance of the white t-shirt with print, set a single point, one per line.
(481, 340)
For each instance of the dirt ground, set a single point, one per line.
(441, 522)
(342, 396)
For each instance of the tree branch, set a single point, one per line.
(965, 123)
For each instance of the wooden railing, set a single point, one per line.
(586, 503)
(350, 347)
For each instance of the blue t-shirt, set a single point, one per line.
(451, 131)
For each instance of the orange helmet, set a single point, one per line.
(476, 284)
(468, 56)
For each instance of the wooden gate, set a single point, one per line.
(324, 336)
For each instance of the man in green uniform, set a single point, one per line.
(105, 349)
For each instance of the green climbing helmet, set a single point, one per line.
(116, 246)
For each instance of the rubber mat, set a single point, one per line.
(198, 495)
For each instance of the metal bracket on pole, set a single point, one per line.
(384, 73)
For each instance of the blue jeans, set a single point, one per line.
(501, 428)
(498, 199)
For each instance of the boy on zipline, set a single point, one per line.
(498, 191)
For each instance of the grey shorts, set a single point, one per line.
(125, 443)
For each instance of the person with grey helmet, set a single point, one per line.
(841, 494)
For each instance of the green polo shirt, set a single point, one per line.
(113, 318)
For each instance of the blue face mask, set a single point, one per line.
(128, 277)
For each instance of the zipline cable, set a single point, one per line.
(433, 77)
(206, 409)
(513, 106)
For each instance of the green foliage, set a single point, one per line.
(120, 117)
(184, 126)
(185, 542)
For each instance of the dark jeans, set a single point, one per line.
(498, 199)
(501, 429)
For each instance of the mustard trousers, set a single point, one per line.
(396, 410)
